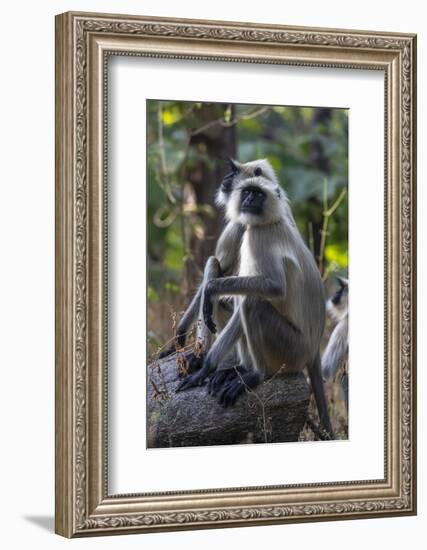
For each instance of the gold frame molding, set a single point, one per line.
(83, 43)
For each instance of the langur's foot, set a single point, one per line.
(236, 387)
(223, 376)
(192, 380)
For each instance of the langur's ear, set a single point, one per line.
(233, 165)
(342, 282)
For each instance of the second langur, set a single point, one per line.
(279, 311)
(224, 263)
(336, 352)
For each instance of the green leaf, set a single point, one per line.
(336, 253)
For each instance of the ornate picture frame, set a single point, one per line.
(83, 44)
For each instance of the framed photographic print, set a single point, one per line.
(235, 274)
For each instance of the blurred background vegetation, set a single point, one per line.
(188, 144)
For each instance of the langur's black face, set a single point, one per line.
(341, 294)
(227, 182)
(255, 197)
(252, 200)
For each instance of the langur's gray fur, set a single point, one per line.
(337, 349)
(279, 312)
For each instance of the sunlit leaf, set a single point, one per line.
(336, 253)
(171, 115)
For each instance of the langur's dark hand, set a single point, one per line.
(208, 310)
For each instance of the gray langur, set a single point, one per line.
(279, 311)
(337, 349)
(224, 263)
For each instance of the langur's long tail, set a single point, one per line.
(316, 380)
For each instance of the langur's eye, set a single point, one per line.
(257, 172)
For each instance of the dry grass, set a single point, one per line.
(162, 317)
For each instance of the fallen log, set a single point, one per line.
(276, 411)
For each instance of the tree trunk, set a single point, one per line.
(210, 148)
(275, 412)
(320, 161)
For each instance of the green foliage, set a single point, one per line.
(305, 145)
